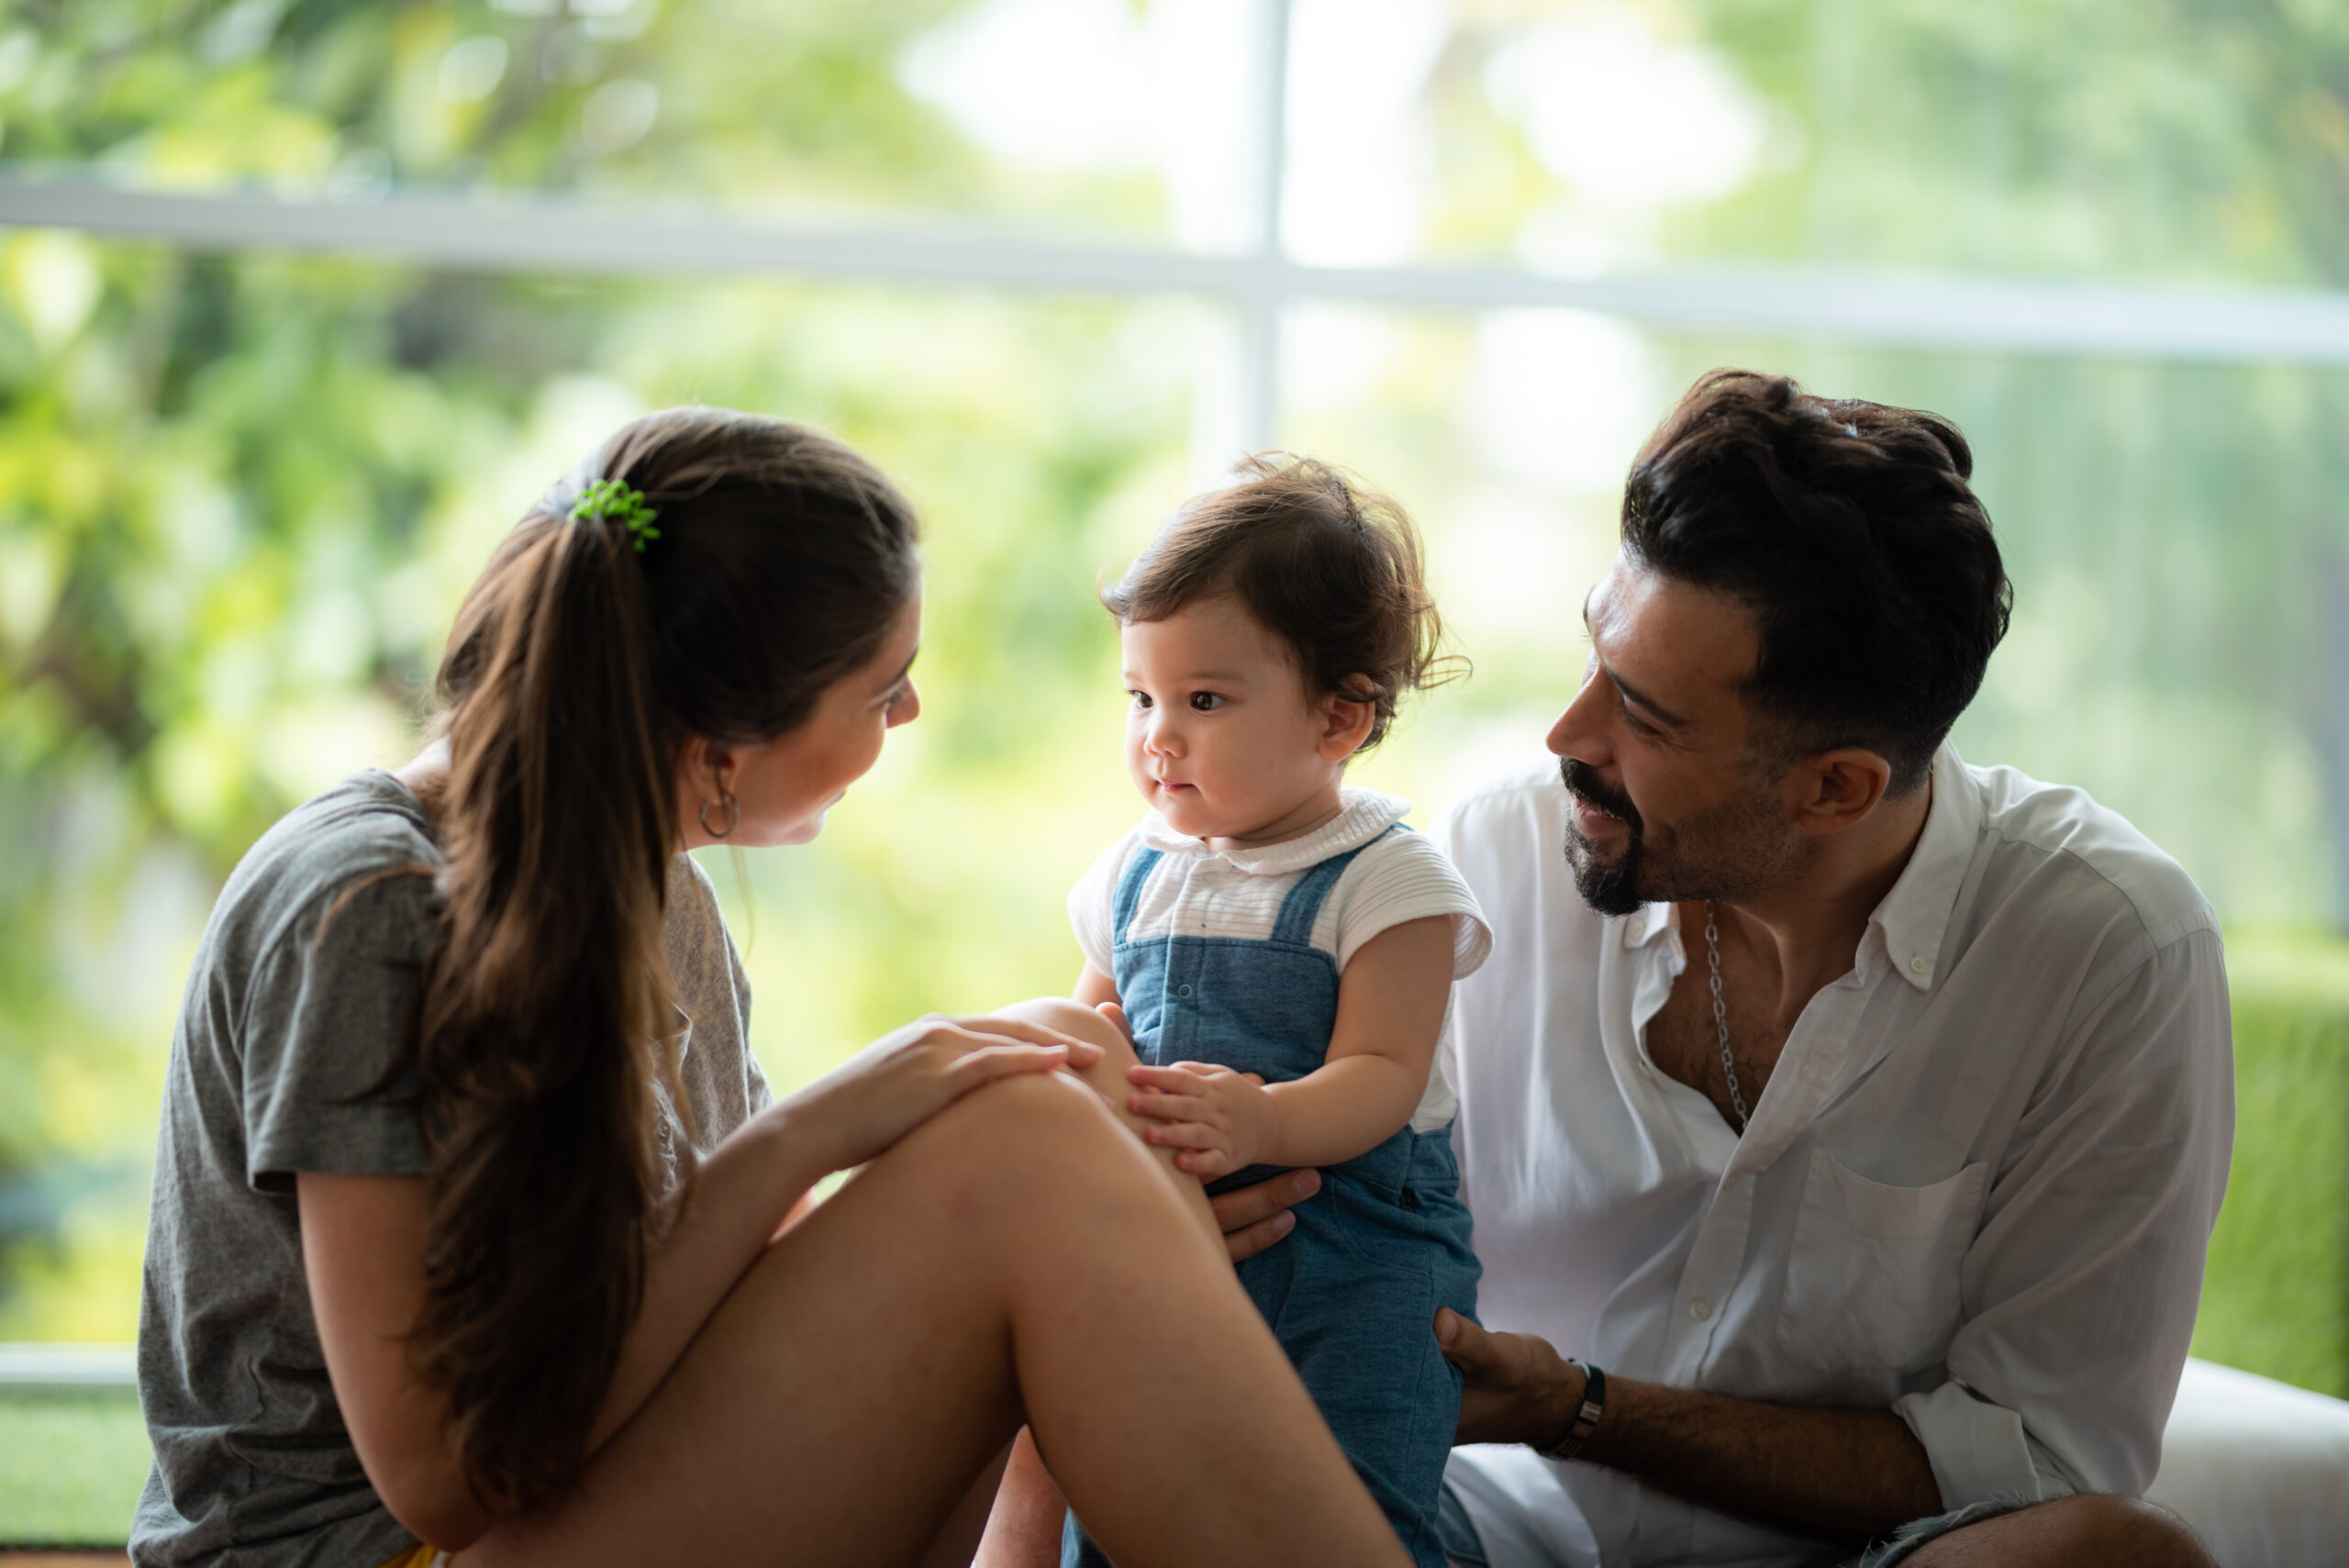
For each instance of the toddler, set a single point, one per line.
(1264, 918)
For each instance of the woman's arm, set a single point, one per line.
(364, 1241)
(1391, 1002)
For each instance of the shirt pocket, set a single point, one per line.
(1872, 1280)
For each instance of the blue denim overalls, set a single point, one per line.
(1352, 1293)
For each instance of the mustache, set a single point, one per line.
(1582, 781)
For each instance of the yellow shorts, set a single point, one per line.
(420, 1557)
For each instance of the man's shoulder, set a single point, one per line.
(2058, 840)
(1520, 798)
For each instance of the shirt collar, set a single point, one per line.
(1363, 814)
(1914, 915)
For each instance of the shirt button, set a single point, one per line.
(1700, 1309)
(1917, 965)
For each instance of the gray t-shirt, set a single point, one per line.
(281, 1027)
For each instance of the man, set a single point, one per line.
(1856, 1117)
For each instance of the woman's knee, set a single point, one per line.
(1034, 1123)
(1066, 1015)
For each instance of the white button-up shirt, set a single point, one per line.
(1978, 1190)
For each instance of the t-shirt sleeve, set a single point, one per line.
(1091, 903)
(761, 1095)
(1405, 877)
(328, 1011)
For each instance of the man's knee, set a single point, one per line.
(2095, 1530)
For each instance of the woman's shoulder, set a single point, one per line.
(342, 851)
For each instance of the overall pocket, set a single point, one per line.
(1872, 1281)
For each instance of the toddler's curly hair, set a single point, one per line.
(1331, 567)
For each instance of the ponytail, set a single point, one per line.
(578, 667)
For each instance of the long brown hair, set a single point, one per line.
(578, 667)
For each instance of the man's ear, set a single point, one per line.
(1346, 719)
(1838, 788)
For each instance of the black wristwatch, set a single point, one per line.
(1594, 1404)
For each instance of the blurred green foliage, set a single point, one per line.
(239, 494)
(2276, 1296)
(70, 1470)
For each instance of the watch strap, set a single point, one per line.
(1586, 1422)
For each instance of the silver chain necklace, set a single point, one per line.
(1721, 1017)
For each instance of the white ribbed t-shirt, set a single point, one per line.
(1199, 892)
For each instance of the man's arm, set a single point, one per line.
(2080, 1298)
(1846, 1474)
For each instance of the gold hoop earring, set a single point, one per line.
(733, 814)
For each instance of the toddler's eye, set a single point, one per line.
(1205, 702)
(1141, 699)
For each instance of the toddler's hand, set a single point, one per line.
(1218, 1120)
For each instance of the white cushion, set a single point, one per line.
(2259, 1467)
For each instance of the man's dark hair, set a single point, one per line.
(1849, 530)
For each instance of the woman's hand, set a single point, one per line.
(910, 1075)
(1219, 1120)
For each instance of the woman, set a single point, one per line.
(473, 1224)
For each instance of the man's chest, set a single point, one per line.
(1690, 1042)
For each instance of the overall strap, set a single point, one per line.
(1129, 881)
(1303, 904)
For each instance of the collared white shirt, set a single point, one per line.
(1978, 1189)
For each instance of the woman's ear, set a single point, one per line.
(1346, 719)
(706, 769)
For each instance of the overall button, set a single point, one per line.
(1182, 990)
(1700, 1309)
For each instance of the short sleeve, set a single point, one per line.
(1404, 876)
(1091, 904)
(761, 1095)
(329, 1008)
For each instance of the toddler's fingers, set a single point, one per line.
(1166, 1108)
(1183, 1135)
(1166, 1080)
(1205, 1164)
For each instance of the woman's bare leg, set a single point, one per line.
(1024, 1529)
(1020, 1254)
(1107, 1078)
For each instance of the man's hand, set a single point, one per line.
(1253, 1219)
(1517, 1388)
(1218, 1120)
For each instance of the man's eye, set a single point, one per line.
(1205, 702)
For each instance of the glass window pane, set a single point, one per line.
(2094, 138)
(239, 501)
(2176, 535)
(1080, 114)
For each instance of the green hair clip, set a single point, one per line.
(618, 501)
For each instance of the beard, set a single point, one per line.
(1610, 886)
(1727, 853)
